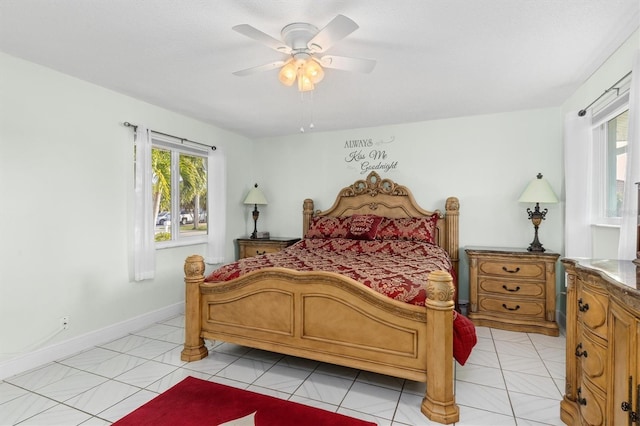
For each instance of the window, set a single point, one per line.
(179, 194)
(610, 164)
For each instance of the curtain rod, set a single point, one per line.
(583, 111)
(182, 140)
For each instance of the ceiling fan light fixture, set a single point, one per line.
(287, 74)
(314, 71)
(305, 84)
(303, 41)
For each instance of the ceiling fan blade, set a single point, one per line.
(336, 30)
(257, 35)
(348, 64)
(260, 68)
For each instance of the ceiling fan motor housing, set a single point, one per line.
(297, 36)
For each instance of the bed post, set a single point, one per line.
(307, 214)
(452, 207)
(194, 348)
(452, 246)
(439, 403)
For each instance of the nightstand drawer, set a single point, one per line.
(531, 270)
(257, 249)
(511, 287)
(512, 307)
(249, 247)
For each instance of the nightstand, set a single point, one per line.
(513, 289)
(249, 247)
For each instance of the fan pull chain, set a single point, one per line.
(301, 112)
(311, 126)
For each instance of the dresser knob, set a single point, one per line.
(260, 253)
(582, 307)
(580, 352)
(581, 401)
(511, 271)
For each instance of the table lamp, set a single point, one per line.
(538, 191)
(255, 197)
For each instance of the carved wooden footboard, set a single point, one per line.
(329, 318)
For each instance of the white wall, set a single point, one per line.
(66, 179)
(486, 161)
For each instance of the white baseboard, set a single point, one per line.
(77, 344)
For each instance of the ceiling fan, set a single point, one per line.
(304, 43)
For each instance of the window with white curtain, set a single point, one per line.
(610, 143)
(179, 193)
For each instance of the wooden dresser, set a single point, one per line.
(603, 343)
(249, 247)
(513, 289)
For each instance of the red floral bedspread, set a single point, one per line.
(395, 268)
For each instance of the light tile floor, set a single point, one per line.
(510, 379)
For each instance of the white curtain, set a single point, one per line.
(577, 168)
(217, 206)
(144, 250)
(628, 230)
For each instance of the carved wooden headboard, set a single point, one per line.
(384, 197)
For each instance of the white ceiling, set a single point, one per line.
(436, 58)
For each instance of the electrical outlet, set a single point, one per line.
(64, 323)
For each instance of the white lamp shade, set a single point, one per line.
(255, 196)
(538, 191)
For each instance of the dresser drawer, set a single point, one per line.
(512, 307)
(514, 269)
(593, 357)
(592, 308)
(511, 287)
(591, 404)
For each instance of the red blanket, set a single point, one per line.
(398, 269)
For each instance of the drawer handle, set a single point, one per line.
(258, 252)
(579, 352)
(511, 289)
(582, 307)
(581, 401)
(504, 305)
(634, 416)
(511, 271)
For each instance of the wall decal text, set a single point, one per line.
(367, 155)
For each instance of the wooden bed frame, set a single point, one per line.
(332, 318)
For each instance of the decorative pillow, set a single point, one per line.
(328, 227)
(464, 337)
(414, 228)
(364, 227)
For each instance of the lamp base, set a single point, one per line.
(536, 217)
(256, 214)
(535, 245)
(536, 248)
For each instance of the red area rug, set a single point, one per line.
(199, 402)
